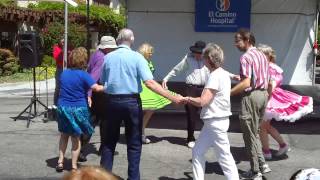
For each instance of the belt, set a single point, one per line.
(248, 92)
(196, 86)
(123, 95)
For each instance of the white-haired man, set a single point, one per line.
(122, 72)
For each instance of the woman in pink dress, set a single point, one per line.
(282, 105)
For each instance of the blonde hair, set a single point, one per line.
(91, 173)
(214, 53)
(145, 49)
(268, 51)
(78, 58)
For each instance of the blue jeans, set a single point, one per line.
(129, 110)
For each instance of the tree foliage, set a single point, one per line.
(52, 33)
(103, 17)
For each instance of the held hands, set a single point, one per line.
(180, 100)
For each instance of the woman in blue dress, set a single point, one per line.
(73, 108)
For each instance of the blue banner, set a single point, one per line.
(222, 15)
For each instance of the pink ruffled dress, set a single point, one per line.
(283, 104)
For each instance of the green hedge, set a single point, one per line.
(100, 15)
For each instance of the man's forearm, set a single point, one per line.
(240, 87)
(157, 88)
(194, 101)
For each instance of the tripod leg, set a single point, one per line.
(29, 118)
(29, 106)
(46, 107)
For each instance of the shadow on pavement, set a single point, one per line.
(177, 121)
(90, 148)
(187, 174)
(52, 163)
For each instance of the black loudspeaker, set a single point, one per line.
(30, 49)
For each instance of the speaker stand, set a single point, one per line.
(33, 103)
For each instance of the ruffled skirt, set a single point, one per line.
(151, 100)
(75, 120)
(287, 106)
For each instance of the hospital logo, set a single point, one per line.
(223, 5)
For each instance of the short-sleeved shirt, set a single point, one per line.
(275, 73)
(254, 65)
(57, 53)
(123, 70)
(95, 66)
(219, 80)
(74, 85)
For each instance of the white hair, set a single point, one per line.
(125, 36)
(214, 53)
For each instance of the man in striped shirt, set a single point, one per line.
(253, 88)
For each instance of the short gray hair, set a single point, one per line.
(214, 53)
(125, 35)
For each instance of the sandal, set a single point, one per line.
(59, 167)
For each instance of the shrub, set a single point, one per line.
(52, 33)
(8, 63)
(48, 61)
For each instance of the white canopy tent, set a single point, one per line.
(287, 26)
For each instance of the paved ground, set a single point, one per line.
(31, 153)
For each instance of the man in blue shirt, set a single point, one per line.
(122, 73)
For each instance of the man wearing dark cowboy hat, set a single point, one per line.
(196, 76)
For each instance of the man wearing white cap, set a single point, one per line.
(97, 99)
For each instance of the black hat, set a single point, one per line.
(198, 47)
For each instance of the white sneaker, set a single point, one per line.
(267, 156)
(283, 150)
(250, 175)
(191, 144)
(265, 169)
(145, 140)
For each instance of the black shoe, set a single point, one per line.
(82, 157)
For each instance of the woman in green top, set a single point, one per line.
(150, 100)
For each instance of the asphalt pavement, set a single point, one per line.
(31, 153)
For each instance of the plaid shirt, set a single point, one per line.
(254, 65)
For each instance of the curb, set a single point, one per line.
(26, 88)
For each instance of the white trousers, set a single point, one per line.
(214, 134)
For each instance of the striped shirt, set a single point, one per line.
(254, 65)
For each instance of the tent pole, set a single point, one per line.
(315, 41)
(65, 47)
